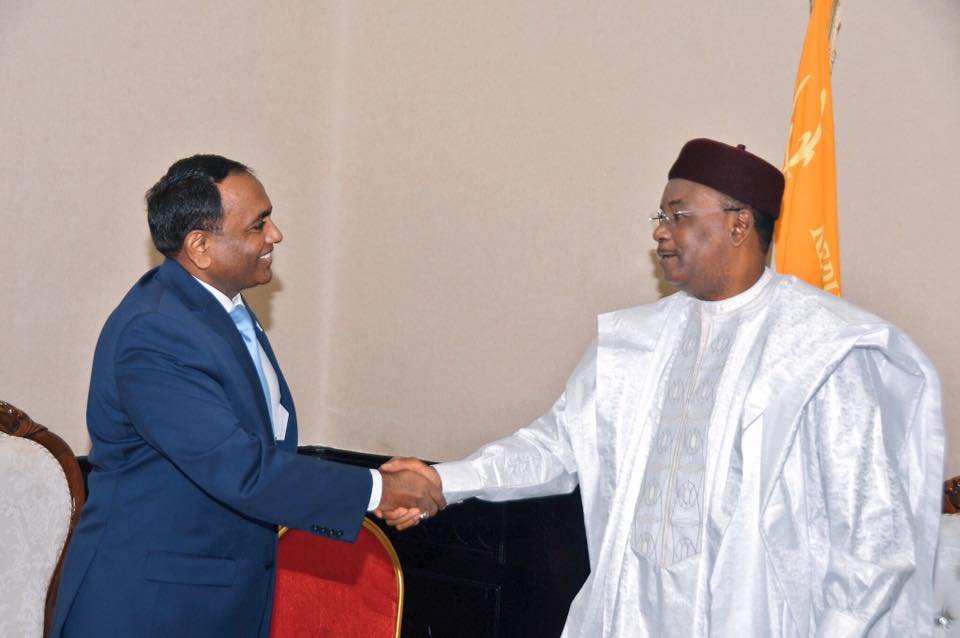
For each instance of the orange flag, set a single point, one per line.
(806, 243)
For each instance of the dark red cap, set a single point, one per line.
(733, 171)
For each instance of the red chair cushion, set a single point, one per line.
(331, 588)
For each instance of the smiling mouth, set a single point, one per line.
(268, 256)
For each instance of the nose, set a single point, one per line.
(274, 236)
(661, 232)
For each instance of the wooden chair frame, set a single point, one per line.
(15, 422)
(951, 496)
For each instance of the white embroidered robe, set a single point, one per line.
(821, 482)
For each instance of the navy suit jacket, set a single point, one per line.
(178, 536)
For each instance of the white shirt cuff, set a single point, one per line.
(376, 490)
(459, 480)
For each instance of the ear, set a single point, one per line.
(742, 226)
(196, 248)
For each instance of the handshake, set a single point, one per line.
(412, 492)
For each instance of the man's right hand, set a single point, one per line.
(404, 517)
(408, 491)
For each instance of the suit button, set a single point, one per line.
(268, 565)
(338, 533)
(315, 528)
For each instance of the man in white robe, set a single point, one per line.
(755, 457)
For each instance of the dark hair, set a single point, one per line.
(186, 199)
(763, 224)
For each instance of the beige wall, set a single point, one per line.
(463, 185)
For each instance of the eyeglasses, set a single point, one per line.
(673, 219)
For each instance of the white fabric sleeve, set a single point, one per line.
(861, 500)
(537, 460)
(376, 490)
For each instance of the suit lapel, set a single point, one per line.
(209, 311)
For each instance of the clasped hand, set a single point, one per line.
(411, 488)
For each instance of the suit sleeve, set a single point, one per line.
(171, 386)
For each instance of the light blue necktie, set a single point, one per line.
(241, 317)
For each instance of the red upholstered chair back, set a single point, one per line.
(328, 588)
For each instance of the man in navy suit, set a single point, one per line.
(194, 434)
